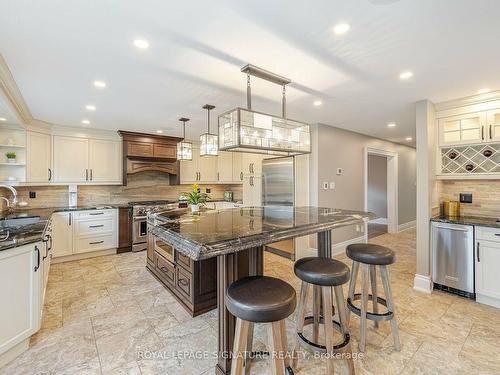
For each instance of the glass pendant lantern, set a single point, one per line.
(184, 148)
(209, 143)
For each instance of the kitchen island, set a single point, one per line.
(236, 238)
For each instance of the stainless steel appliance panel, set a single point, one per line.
(278, 187)
(453, 256)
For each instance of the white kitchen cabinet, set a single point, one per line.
(202, 169)
(38, 157)
(85, 231)
(252, 190)
(493, 122)
(21, 280)
(62, 233)
(207, 168)
(252, 163)
(468, 128)
(71, 159)
(237, 167)
(105, 161)
(225, 167)
(189, 168)
(487, 259)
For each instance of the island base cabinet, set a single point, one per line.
(21, 277)
(193, 284)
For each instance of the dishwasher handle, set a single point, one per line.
(453, 228)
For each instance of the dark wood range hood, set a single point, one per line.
(149, 152)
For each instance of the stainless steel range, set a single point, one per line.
(140, 213)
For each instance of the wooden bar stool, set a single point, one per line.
(260, 299)
(369, 257)
(323, 274)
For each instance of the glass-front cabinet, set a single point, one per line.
(462, 129)
(493, 122)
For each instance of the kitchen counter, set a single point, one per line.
(491, 222)
(211, 233)
(44, 213)
(26, 234)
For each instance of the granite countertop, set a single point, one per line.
(45, 212)
(469, 220)
(211, 233)
(23, 235)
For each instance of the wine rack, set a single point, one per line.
(470, 160)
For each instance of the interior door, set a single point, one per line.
(105, 161)
(38, 155)
(71, 156)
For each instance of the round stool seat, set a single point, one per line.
(371, 254)
(321, 271)
(261, 299)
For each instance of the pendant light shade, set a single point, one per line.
(209, 142)
(251, 131)
(184, 148)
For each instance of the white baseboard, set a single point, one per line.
(488, 300)
(93, 254)
(379, 220)
(406, 226)
(422, 283)
(14, 352)
(339, 248)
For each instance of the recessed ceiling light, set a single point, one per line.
(341, 28)
(317, 103)
(90, 107)
(86, 122)
(100, 84)
(391, 125)
(408, 139)
(3, 119)
(406, 75)
(159, 131)
(483, 91)
(141, 43)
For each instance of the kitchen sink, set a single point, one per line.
(19, 221)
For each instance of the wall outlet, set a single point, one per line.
(332, 185)
(325, 185)
(32, 194)
(339, 171)
(208, 190)
(465, 198)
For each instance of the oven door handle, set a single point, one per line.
(138, 218)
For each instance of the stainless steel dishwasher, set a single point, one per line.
(453, 258)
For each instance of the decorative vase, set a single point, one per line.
(11, 160)
(195, 207)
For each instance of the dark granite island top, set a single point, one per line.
(212, 233)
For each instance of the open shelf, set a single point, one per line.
(13, 164)
(12, 146)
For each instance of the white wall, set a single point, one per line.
(377, 185)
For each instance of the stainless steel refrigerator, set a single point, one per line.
(278, 189)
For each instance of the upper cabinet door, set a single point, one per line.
(71, 159)
(494, 125)
(225, 166)
(237, 167)
(207, 168)
(105, 161)
(463, 129)
(189, 168)
(38, 153)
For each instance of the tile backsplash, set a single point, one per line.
(485, 196)
(142, 186)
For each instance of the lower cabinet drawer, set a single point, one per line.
(94, 243)
(165, 269)
(183, 282)
(93, 226)
(488, 234)
(184, 261)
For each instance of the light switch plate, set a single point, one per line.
(339, 171)
(332, 185)
(325, 185)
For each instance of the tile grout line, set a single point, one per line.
(95, 343)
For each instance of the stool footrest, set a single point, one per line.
(313, 346)
(388, 315)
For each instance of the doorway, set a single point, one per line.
(381, 187)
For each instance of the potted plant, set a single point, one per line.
(11, 156)
(195, 198)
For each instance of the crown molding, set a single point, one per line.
(13, 96)
(467, 101)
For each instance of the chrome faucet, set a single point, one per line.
(14, 195)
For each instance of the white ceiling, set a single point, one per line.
(56, 49)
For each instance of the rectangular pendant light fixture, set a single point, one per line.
(246, 130)
(184, 148)
(208, 141)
